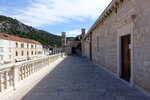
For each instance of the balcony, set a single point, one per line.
(60, 77)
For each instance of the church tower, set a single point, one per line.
(63, 40)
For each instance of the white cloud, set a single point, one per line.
(71, 33)
(42, 12)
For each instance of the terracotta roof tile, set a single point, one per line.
(16, 38)
(57, 48)
(36, 42)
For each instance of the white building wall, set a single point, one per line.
(34, 50)
(6, 51)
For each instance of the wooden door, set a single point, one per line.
(125, 59)
(90, 47)
(90, 50)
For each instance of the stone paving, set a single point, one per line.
(77, 78)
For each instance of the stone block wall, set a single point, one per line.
(86, 48)
(138, 11)
(142, 44)
(108, 44)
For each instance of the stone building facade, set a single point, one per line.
(119, 40)
(74, 46)
(57, 50)
(14, 49)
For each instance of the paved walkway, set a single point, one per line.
(76, 78)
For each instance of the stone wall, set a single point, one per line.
(108, 41)
(131, 17)
(142, 44)
(86, 48)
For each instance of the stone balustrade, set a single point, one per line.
(12, 75)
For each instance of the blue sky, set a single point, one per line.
(55, 16)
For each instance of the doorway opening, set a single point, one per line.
(126, 57)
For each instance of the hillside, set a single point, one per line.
(14, 27)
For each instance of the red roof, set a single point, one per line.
(36, 42)
(16, 38)
(58, 48)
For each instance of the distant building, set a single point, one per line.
(57, 50)
(14, 48)
(46, 51)
(74, 44)
(6, 49)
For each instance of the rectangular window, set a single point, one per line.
(22, 45)
(9, 57)
(98, 44)
(1, 42)
(1, 50)
(27, 53)
(27, 45)
(9, 49)
(31, 52)
(22, 53)
(16, 45)
(16, 53)
(9, 42)
(1, 57)
(32, 46)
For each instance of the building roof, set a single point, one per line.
(5, 37)
(75, 38)
(73, 44)
(36, 42)
(106, 12)
(16, 38)
(57, 48)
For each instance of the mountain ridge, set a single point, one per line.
(17, 28)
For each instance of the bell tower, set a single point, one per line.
(63, 40)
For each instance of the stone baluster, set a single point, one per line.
(32, 67)
(42, 63)
(2, 81)
(49, 58)
(16, 76)
(21, 74)
(29, 70)
(6, 80)
(26, 70)
(10, 77)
